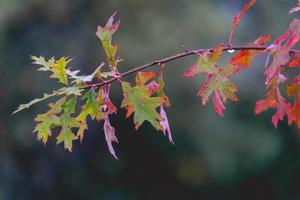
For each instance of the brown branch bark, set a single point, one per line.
(166, 60)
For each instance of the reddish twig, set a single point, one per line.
(166, 60)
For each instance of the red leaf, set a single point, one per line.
(283, 108)
(280, 57)
(237, 18)
(294, 114)
(297, 79)
(263, 40)
(274, 100)
(281, 53)
(110, 136)
(293, 40)
(219, 106)
(295, 62)
(153, 87)
(242, 59)
(263, 105)
(282, 38)
(110, 26)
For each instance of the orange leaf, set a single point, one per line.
(244, 58)
(143, 77)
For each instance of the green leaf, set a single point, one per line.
(220, 82)
(160, 92)
(43, 128)
(90, 108)
(206, 63)
(138, 101)
(47, 65)
(67, 122)
(34, 101)
(58, 68)
(70, 91)
(48, 120)
(63, 91)
(67, 137)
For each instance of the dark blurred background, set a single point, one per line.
(239, 156)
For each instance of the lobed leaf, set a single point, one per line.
(110, 136)
(293, 90)
(237, 18)
(82, 79)
(57, 67)
(105, 35)
(244, 58)
(164, 122)
(48, 120)
(90, 108)
(47, 65)
(138, 101)
(67, 122)
(280, 52)
(295, 62)
(34, 101)
(206, 63)
(217, 82)
(160, 91)
(274, 100)
(62, 91)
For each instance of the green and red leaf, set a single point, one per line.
(105, 35)
(138, 100)
(217, 81)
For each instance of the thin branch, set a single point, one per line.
(169, 59)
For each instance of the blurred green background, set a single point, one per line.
(239, 156)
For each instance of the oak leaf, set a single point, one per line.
(67, 122)
(138, 100)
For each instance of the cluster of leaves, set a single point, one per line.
(279, 53)
(146, 99)
(143, 99)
